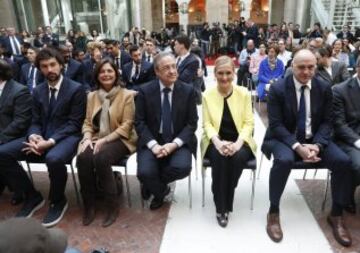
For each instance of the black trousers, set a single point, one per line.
(97, 168)
(225, 172)
(242, 74)
(156, 173)
(55, 159)
(332, 157)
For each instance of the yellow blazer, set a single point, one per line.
(241, 111)
(121, 111)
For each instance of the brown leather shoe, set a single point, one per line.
(340, 232)
(273, 227)
(88, 215)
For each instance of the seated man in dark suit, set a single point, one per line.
(119, 56)
(329, 70)
(137, 71)
(300, 114)
(186, 63)
(15, 114)
(57, 116)
(88, 65)
(72, 68)
(165, 121)
(347, 125)
(150, 50)
(29, 73)
(13, 42)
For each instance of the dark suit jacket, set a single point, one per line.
(349, 36)
(74, 71)
(148, 113)
(339, 73)
(67, 116)
(146, 75)
(282, 113)
(88, 79)
(24, 73)
(7, 44)
(188, 68)
(15, 111)
(346, 103)
(124, 58)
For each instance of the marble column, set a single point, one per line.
(247, 9)
(157, 11)
(183, 14)
(276, 11)
(217, 11)
(290, 10)
(146, 15)
(45, 12)
(302, 14)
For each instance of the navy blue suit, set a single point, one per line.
(155, 173)
(188, 68)
(88, 80)
(7, 44)
(146, 74)
(281, 136)
(63, 125)
(24, 75)
(74, 71)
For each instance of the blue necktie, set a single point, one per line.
(136, 75)
(166, 117)
(301, 117)
(52, 101)
(30, 81)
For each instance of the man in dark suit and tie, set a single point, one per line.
(15, 114)
(165, 122)
(150, 50)
(119, 56)
(347, 125)
(186, 63)
(330, 71)
(137, 71)
(72, 68)
(13, 42)
(300, 126)
(58, 112)
(88, 65)
(29, 73)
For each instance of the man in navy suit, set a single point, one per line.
(165, 122)
(137, 71)
(30, 75)
(300, 126)
(119, 56)
(72, 68)
(150, 50)
(13, 42)
(50, 38)
(186, 63)
(58, 112)
(88, 65)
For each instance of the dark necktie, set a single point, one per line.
(117, 61)
(30, 81)
(17, 49)
(178, 62)
(148, 58)
(166, 117)
(52, 101)
(135, 76)
(301, 117)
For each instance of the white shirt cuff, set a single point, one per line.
(52, 141)
(151, 144)
(178, 142)
(297, 144)
(357, 144)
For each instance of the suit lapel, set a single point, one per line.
(176, 102)
(325, 75)
(290, 87)
(314, 97)
(60, 96)
(354, 93)
(157, 102)
(5, 92)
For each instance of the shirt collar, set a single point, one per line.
(162, 86)
(2, 85)
(357, 78)
(58, 84)
(298, 85)
(184, 56)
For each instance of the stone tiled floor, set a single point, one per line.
(136, 230)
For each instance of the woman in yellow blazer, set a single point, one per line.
(108, 137)
(227, 141)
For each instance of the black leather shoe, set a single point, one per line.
(157, 203)
(350, 208)
(222, 219)
(17, 199)
(145, 194)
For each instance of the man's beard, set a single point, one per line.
(52, 77)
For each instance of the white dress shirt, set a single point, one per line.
(178, 141)
(181, 58)
(308, 131)
(57, 87)
(2, 86)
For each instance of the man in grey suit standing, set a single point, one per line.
(347, 124)
(15, 113)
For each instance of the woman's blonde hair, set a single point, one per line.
(224, 60)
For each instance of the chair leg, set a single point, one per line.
(190, 192)
(29, 172)
(261, 159)
(142, 200)
(315, 172)
(304, 176)
(203, 185)
(326, 191)
(196, 170)
(75, 185)
(127, 187)
(253, 190)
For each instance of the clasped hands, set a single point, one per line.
(227, 148)
(37, 145)
(94, 145)
(161, 151)
(308, 152)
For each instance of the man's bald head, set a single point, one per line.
(304, 65)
